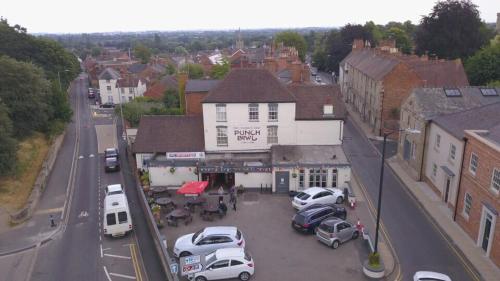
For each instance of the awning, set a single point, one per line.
(193, 187)
(448, 171)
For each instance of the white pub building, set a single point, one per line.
(255, 132)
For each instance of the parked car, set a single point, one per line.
(339, 210)
(335, 231)
(319, 195)
(111, 153)
(113, 189)
(308, 220)
(108, 105)
(117, 220)
(318, 79)
(208, 240)
(429, 275)
(112, 164)
(91, 93)
(225, 264)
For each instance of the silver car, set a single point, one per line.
(208, 240)
(334, 231)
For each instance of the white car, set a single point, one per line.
(225, 264)
(317, 195)
(208, 240)
(114, 189)
(430, 276)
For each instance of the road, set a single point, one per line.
(81, 252)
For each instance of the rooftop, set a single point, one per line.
(199, 85)
(311, 99)
(308, 155)
(109, 74)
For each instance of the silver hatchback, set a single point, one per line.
(334, 231)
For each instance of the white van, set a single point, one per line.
(117, 219)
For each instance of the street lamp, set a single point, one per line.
(379, 203)
(59, 78)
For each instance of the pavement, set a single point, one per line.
(420, 240)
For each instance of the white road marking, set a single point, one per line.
(107, 274)
(117, 256)
(101, 249)
(123, 276)
(83, 214)
(80, 157)
(91, 155)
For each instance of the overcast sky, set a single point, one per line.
(70, 16)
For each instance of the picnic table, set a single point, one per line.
(210, 210)
(179, 214)
(196, 201)
(165, 202)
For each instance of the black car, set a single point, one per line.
(111, 153)
(108, 105)
(339, 210)
(308, 219)
(112, 165)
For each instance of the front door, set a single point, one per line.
(487, 229)
(406, 150)
(282, 182)
(447, 189)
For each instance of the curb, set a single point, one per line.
(29, 247)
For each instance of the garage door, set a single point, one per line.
(282, 182)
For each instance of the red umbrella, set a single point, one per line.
(193, 187)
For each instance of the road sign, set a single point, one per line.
(191, 268)
(192, 264)
(192, 260)
(174, 268)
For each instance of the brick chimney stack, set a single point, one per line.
(358, 44)
(296, 72)
(270, 64)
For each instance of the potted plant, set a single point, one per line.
(145, 181)
(172, 170)
(374, 267)
(156, 209)
(294, 175)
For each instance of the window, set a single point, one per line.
(235, 262)
(131, 90)
(495, 180)
(317, 177)
(221, 136)
(489, 92)
(273, 112)
(452, 92)
(438, 141)
(453, 150)
(334, 177)
(130, 98)
(122, 90)
(301, 178)
(220, 264)
(413, 150)
(108, 88)
(467, 204)
(474, 161)
(434, 169)
(111, 219)
(122, 217)
(328, 109)
(220, 110)
(110, 99)
(272, 134)
(253, 112)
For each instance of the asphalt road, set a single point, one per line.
(418, 243)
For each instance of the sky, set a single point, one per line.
(70, 16)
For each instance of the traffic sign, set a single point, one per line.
(174, 268)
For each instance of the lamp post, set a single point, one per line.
(379, 203)
(59, 78)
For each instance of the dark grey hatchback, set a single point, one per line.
(112, 165)
(308, 219)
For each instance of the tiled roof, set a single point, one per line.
(198, 85)
(109, 74)
(311, 99)
(304, 155)
(167, 133)
(157, 90)
(137, 68)
(128, 82)
(371, 64)
(433, 101)
(478, 118)
(440, 73)
(494, 134)
(248, 85)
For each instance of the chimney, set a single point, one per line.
(306, 73)
(296, 72)
(357, 44)
(270, 64)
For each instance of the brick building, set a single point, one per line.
(375, 81)
(478, 202)
(196, 90)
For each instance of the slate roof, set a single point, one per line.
(199, 85)
(168, 133)
(109, 74)
(137, 68)
(433, 101)
(478, 118)
(128, 82)
(371, 64)
(304, 155)
(247, 85)
(311, 99)
(440, 73)
(494, 134)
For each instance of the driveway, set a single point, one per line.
(280, 252)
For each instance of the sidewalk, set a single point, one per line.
(442, 217)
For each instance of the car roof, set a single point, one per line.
(431, 274)
(313, 190)
(114, 187)
(229, 252)
(310, 212)
(332, 221)
(111, 149)
(224, 230)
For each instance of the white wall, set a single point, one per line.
(105, 93)
(319, 132)
(237, 118)
(343, 176)
(253, 179)
(440, 157)
(161, 176)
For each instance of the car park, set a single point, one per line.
(111, 153)
(112, 164)
(430, 276)
(314, 195)
(225, 264)
(113, 189)
(308, 220)
(335, 231)
(208, 240)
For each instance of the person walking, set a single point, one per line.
(52, 223)
(234, 203)
(221, 194)
(232, 194)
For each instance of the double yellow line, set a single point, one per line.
(137, 268)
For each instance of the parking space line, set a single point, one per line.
(118, 256)
(123, 276)
(107, 274)
(135, 263)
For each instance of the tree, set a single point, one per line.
(219, 71)
(452, 30)
(142, 52)
(171, 98)
(195, 71)
(375, 30)
(170, 69)
(403, 41)
(293, 39)
(484, 67)
(8, 144)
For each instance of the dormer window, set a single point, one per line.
(328, 109)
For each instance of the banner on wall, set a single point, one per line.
(247, 134)
(186, 155)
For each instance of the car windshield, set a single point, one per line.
(303, 196)
(299, 218)
(111, 161)
(247, 256)
(326, 227)
(210, 258)
(238, 235)
(196, 235)
(115, 192)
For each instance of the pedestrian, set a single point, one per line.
(234, 203)
(232, 194)
(221, 194)
(52, 223)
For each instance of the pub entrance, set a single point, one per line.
(215, 180)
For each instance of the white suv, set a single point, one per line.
(317, 195)
(208, 240)
(225, 264)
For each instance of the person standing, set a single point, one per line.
(221, 194)
(232, 194)
(234, 203)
